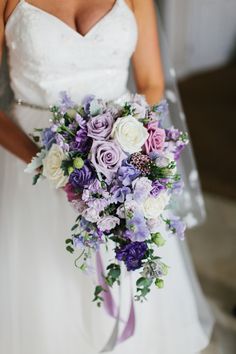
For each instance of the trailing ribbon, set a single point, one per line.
(114, 312)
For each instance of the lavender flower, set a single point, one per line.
(172, 134)
(83, 177)
(82, 142)
(119, 195)
(65, 102)
(86, 103)
(137, 229)
(142, 188)
(127, 173)
(179, 148)
(108, 223)
(48, 138)
(61, 141)
(157, 187)
(177, 227)
(132, 254)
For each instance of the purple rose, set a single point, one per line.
(82, 177)
(106, 157)
(132, 254)
(100, 127)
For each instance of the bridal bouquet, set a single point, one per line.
(117, 165)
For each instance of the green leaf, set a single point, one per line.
(70, 249)
(143, 282)
(74, 227)
(68, 241)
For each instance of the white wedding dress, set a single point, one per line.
(45, 302)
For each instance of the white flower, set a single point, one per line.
(108, 223)
(91, 214)
(130, 134)
(154, 206)
(52, 166)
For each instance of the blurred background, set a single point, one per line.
(201, 37)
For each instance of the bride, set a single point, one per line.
(82, 47)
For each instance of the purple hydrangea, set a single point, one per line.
(83, 177)
(132, 254)
(48, 138)
(127, 173)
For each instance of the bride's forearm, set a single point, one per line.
(153, 94)
(15, 140)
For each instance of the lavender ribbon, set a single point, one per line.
(113, 311)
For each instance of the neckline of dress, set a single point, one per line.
(57, 19)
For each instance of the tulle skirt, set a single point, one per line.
(45, 301)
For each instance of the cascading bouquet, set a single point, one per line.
(117, 165)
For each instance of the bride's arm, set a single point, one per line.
(146, 60)
(11, 136)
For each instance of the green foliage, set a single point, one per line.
(97, 295)
(143, 288)
(113, 274)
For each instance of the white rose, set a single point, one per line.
(154, 206)
(52, 166)
(130, 134)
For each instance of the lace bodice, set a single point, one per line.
(47, 56)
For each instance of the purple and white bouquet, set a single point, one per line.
(117, 165)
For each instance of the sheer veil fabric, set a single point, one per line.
(45, 302)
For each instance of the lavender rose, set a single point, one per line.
(82, 177)
(100, 127)
(106, 156)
